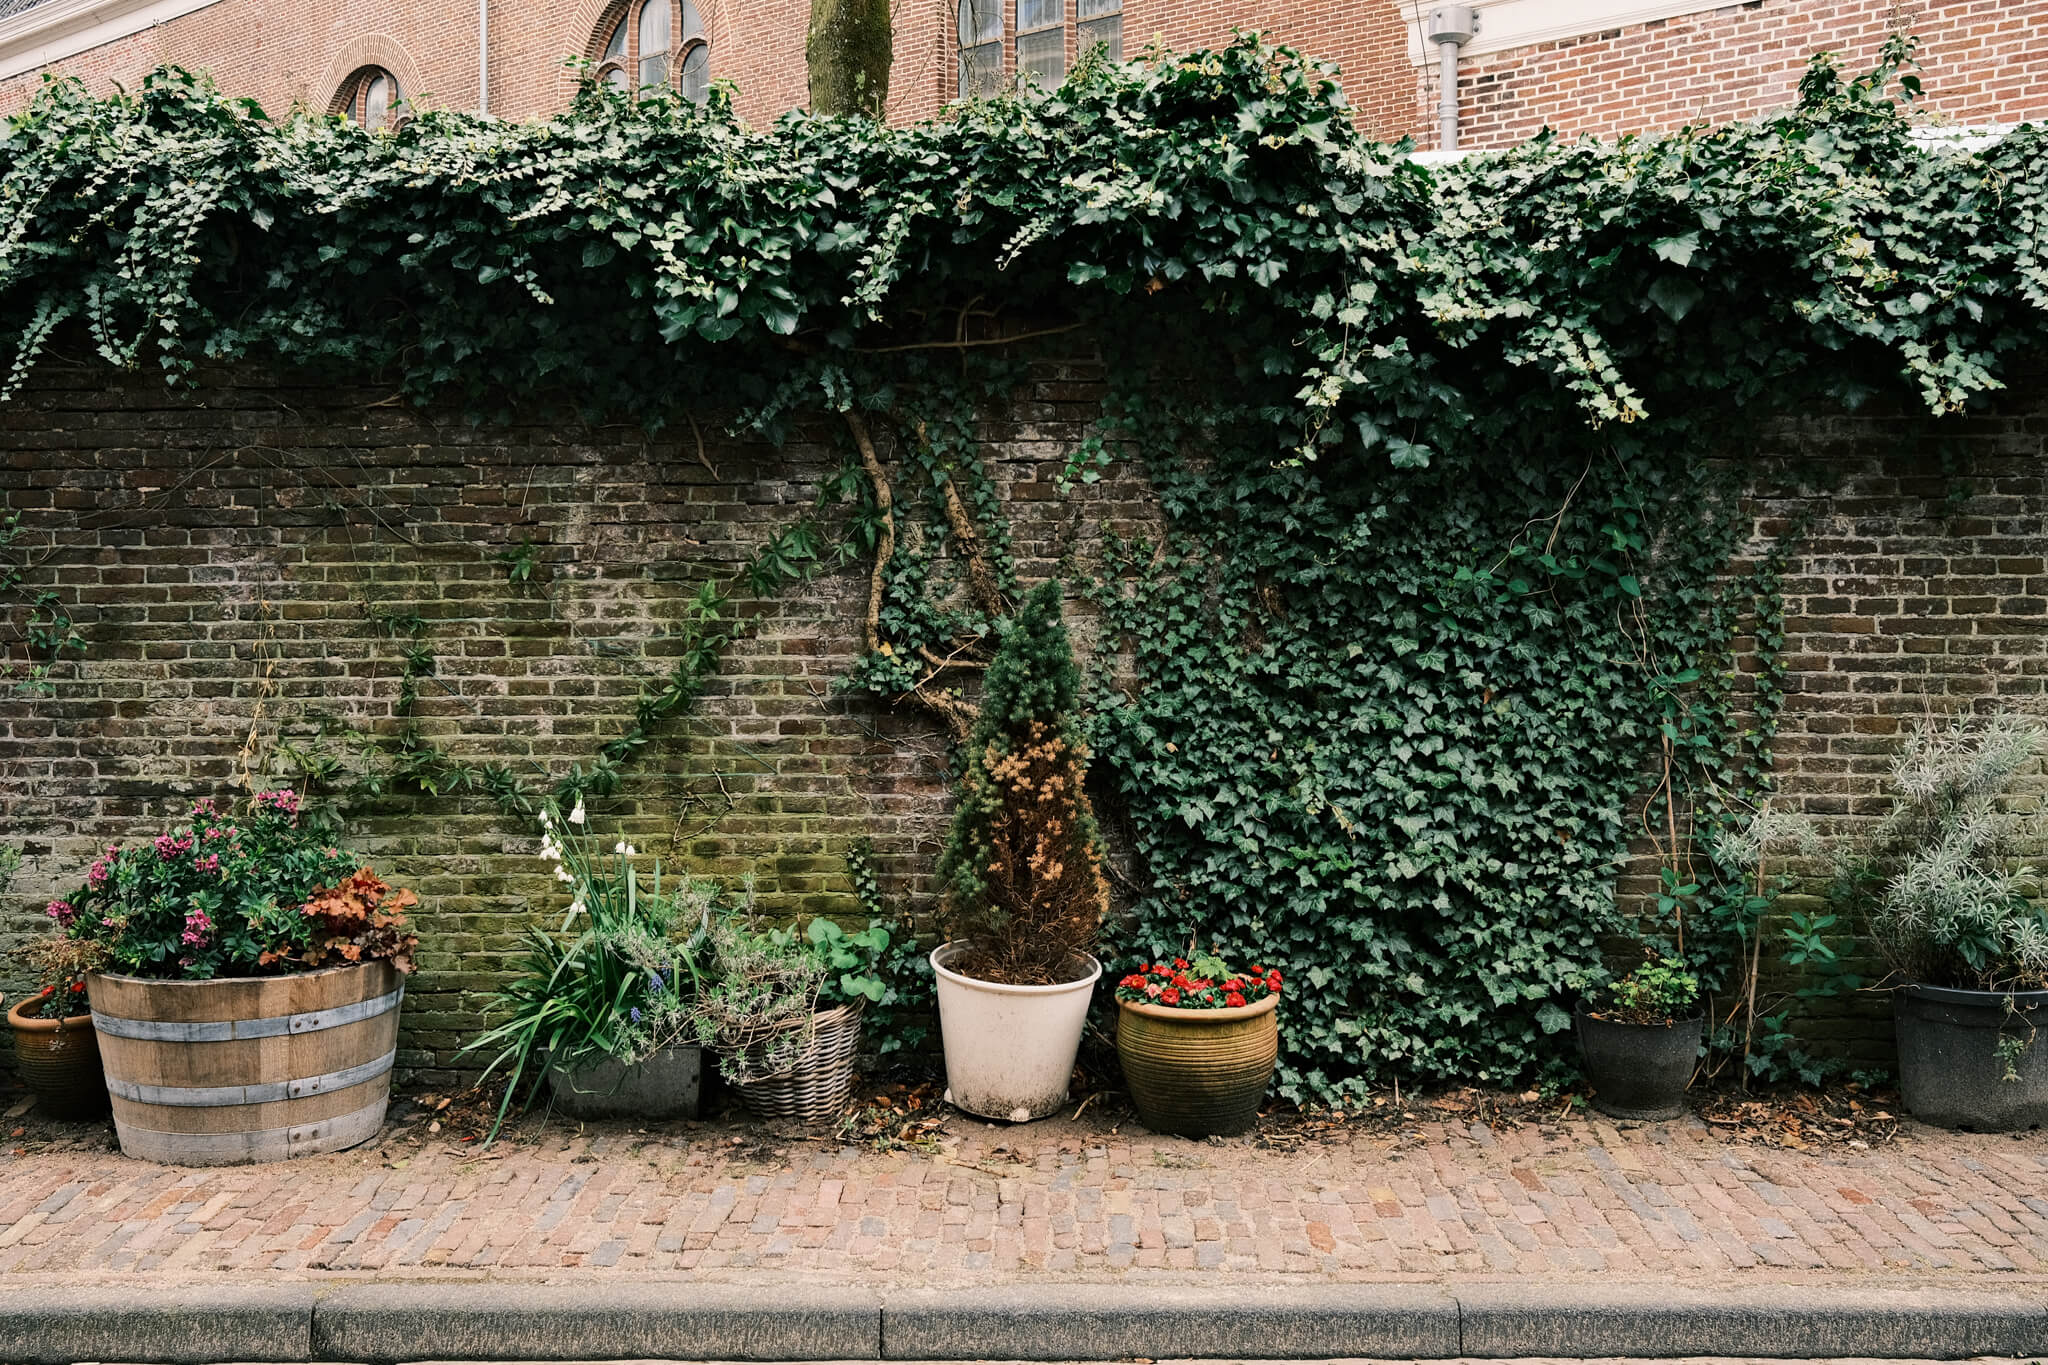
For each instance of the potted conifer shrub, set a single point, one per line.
(1962, 922)
(1198, 1042)
(1640, 1040)
(1021, 876)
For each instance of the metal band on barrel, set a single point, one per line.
(210, 1096)
(230, 1030)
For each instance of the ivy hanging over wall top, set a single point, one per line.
(1443, 563)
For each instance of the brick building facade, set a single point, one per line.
(1579, 66)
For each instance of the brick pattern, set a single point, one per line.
(223, 553)
(1983, 62)
(1582, 1197)
(1918, 588)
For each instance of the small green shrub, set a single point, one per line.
(1658, 992)
(1940, 881)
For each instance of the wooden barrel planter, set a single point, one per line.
(247, 1069)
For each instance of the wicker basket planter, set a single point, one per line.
(1195, 1073)
(817, 1087)
(245, 1069)
(59, 1062)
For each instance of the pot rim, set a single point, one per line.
(1228, 1014)
(1581, 1012)
(1003, 988)
(241, 980)
(35, 1023)
(1966, 995)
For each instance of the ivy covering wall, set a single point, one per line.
(1443, 582)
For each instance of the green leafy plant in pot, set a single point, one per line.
(1948, 899)
(1640, 1040)
(1024, 892)
(603, 1002)
(783, 1012)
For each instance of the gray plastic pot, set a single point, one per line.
(1954, 1046)
(1639, 1071)
(668, 1084)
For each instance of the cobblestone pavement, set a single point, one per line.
(1094, 1198)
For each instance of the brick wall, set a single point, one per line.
(221, 548)
(1983, 62)
(1919, 588)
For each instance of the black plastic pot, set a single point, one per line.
(1639, 1071)
(1956, 1049)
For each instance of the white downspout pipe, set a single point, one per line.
(1450, 28)
(483, 57)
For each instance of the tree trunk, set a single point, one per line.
(848, 48)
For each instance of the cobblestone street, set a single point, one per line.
(1065, 1199)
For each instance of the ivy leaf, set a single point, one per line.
(1679, 250)
(1551, 1019)
(1676, 295)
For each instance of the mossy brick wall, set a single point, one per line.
(223, 549)
(1918, 588)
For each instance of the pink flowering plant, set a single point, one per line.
(226, 895)
(1207, 983)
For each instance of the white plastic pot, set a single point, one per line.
(1009, 1049)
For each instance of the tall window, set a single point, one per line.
(981, 46)
(1039, 50)
(645, 46)
(1102, 21)
(369, 98)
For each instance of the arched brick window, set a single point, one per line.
(369, 97)
(655, 42)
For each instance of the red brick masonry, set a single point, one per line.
(1065, 1199)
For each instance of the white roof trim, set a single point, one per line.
(1508, 24)
(56, 29)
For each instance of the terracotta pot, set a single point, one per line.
(60, 1064)
(1198, 1072)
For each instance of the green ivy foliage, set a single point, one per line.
(1442, 577)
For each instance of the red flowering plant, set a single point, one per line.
(1207, 983)
(232, 893)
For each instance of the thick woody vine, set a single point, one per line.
(1442, 561)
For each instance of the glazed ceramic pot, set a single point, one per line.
(1198, 1073)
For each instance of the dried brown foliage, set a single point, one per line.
(1042, 889)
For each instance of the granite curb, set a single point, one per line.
(381, 1323)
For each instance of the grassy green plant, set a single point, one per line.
(617, 977)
